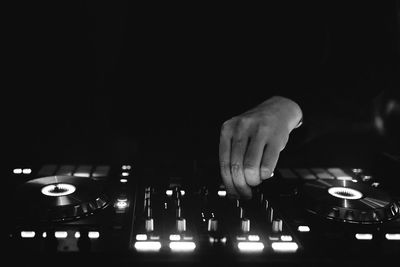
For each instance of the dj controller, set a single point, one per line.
(117, 215)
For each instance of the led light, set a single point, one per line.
(141, 237)
(126, 167)
(303, 228)
(77, 234)
(221, 193)
(392, 236)
(44, 235)
(188, 238)
(57, 190)
(345, 193)
(286, 238)
(27, 234)
(250, 246)
(184, 246)
(182, 192)
(254, 238)
(284, 246)
(27, 171)
(93, 234)
(147, 246)
(174, 237)
(154, 237)
(344, 177)
(364, 236)
(241, 238)
(61, 234)
(82, 174)
(17, 171)
(121, 204)
(123, 180)
(124, 174)
(168, 192)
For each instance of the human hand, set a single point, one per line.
(250, 144)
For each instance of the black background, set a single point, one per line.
(93, 81)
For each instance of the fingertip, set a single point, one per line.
(266, 173)
(252, 176)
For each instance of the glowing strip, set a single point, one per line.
(141, 237)
(168, 192)
(303, 228)
(123, 180)
(284, 246)
(147, 246)
(250, 246)
(125, 174)
(93, 234)
(77, 234)
(182, 246)
(392, 236)
(61, 234)
(364, 236)
(27, 234)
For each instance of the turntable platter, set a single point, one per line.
(349, 201)
(56, 198)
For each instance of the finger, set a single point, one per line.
(224, 162)
(253, 158)
(238, 149)
(269, 159)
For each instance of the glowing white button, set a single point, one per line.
(93, 234)
(27, 234)
(168, 192)
(27, 171)
(182, 192)
(221, 193)
(125, 174)
(286, 238)
(77, 234)
(392, 236)
(123, 180)
(44, 235)
(284, 246)
(126, 167)
(147, 246)
(364, 236)
(141, 237)
(345, 177)
(182, 246)
(303, 228)
(122, 204)
(61, 234)
(254, 238)
(17, 171)
(250, 246)
(174, 237)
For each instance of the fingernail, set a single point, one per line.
(250, 172)
(265, 173)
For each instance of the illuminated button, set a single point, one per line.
(174, 237)
(250, 246)
(169, 192)
(364, 236)
(141, 237)
(123, 180)
(122, 204)
(286, 238)
(77, 234)
(27, 171)
(221, 193)
(44, 235)
(125, 174)
(392, 236)
(254, 238)
(60, 234)
(27, 234)
(183, 246)
(147, 246)
(303, 228)
(17, 171)
(83, 171)
(93, 234)
(284, 246)
(126, 167)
